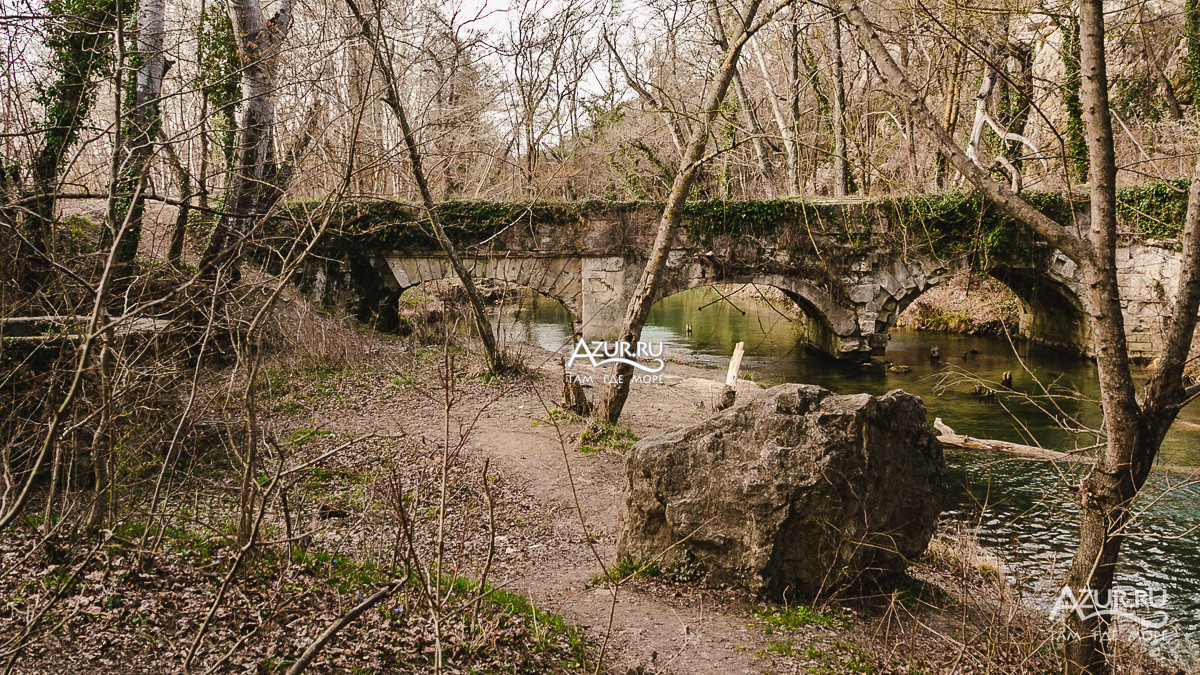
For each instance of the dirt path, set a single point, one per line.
(647, 634)
(646, 631)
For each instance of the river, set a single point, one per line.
(1022, 510)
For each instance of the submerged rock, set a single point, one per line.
(798, 490)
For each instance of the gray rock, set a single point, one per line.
(796, 491)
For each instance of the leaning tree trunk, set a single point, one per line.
(757, 139)
(179, 231)
(143, 121)
(392, 99)
(785, 130)
(253, 185)
(647, 288)
(80, 43)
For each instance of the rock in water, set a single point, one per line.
(796, 491)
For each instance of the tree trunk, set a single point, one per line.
(761, 153)
(1021, 100)
(785, 130)
(1076, 157)
(644, 295)
(252, 186)
(1109, 490)
(1156, 65)
(986, 85)
(143, 121)
(794, 179)
(80, 48)
(1191, 37)
(184, 177)
(203, 131)
(951, 115)
(842, 182)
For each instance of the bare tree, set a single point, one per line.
(80, 41)
(746, 107)
(1133, 426)
(644, 295)
(137, 142)
(393, 101)
(257, 180)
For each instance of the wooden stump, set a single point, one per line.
(729, 393)
(574, 398)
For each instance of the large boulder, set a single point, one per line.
(796, 491)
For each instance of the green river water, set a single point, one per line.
(1021, 509)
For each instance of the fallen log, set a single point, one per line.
(948, 437)
(69, 327)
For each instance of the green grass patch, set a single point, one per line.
(550, 631)
(845, 657)
(780, 647)
(601, 436)
(628, 568)
(796, 616)
(301, 437)
(557, 415)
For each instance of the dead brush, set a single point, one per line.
(962, 601)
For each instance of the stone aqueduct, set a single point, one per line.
(852, 282)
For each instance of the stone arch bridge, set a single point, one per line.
(852, 267)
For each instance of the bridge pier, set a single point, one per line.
(605, 291)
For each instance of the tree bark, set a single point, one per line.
(951, 115)
(1109, 490)
(644, 295)
(794, 178)
(1191, 39)
(253, 187)
(1021, 100)
(785, 130)
(184, 177)
(143, 121)
(80, 43)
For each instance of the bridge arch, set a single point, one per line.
(1051, 311)
(828, 324)
(556, 277)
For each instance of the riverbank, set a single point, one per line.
(560, 507)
